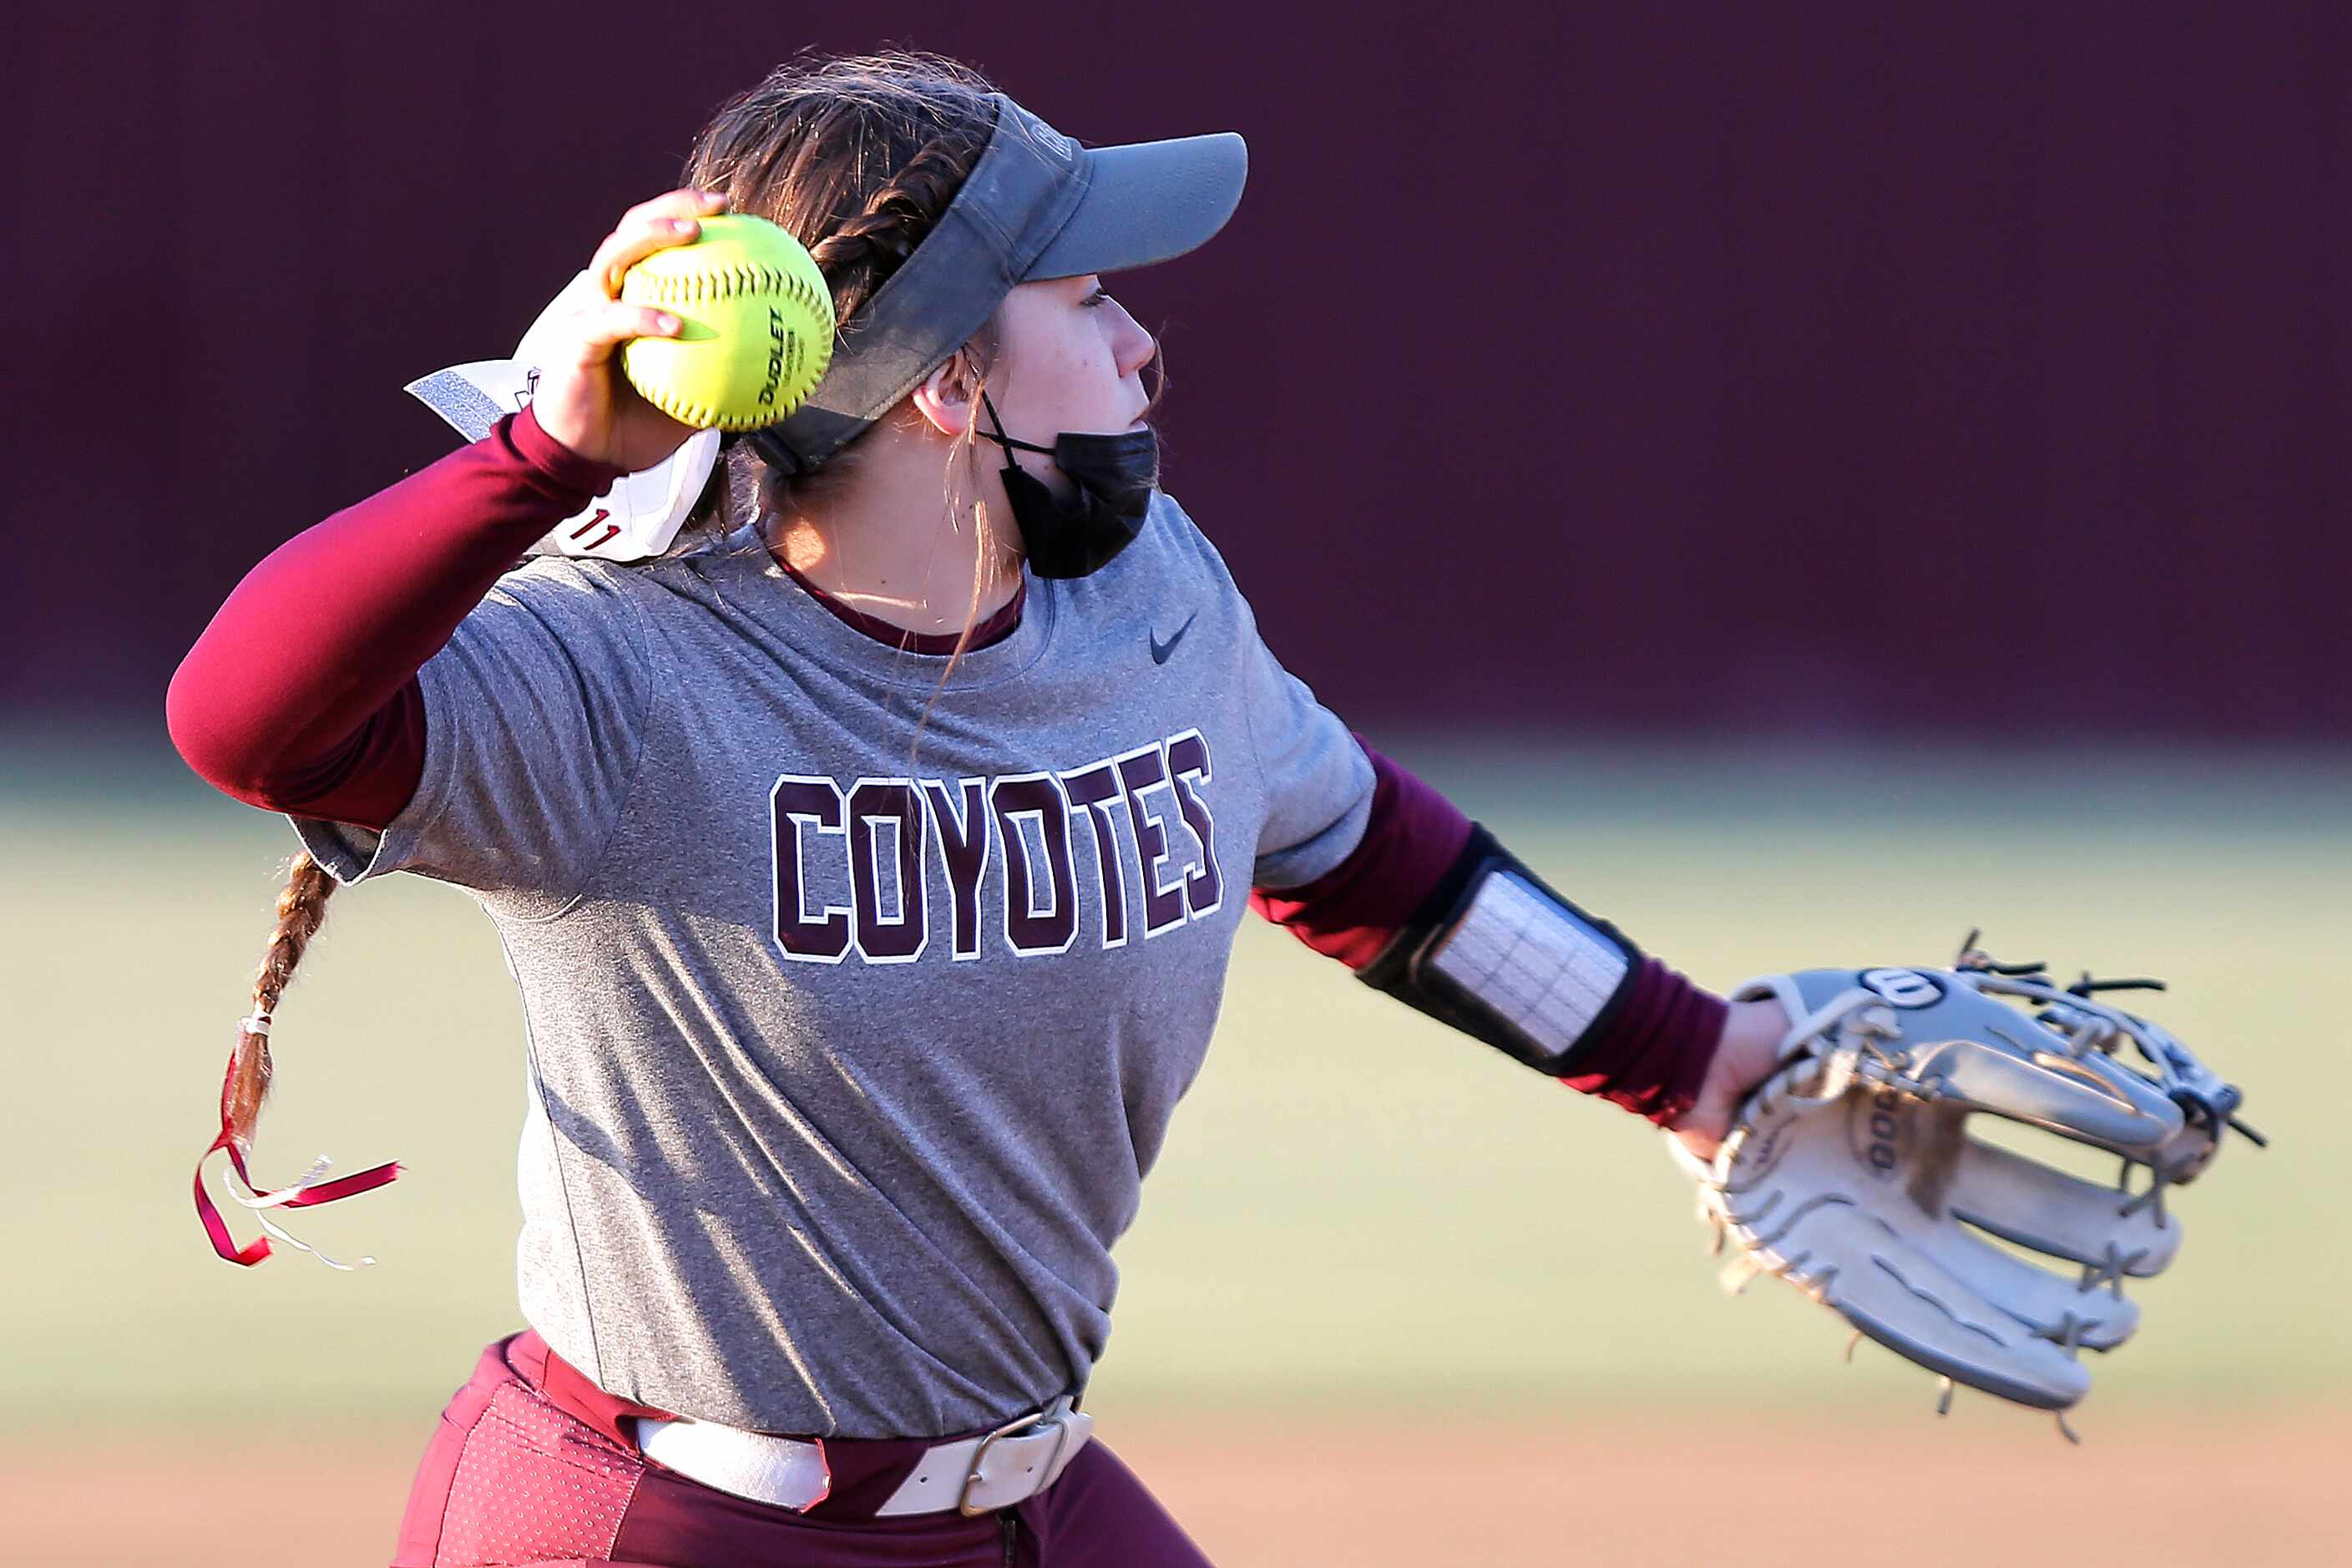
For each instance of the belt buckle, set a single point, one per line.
(1058, 1412)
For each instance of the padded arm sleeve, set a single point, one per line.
(1495, 953)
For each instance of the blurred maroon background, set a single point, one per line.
(1808, 368)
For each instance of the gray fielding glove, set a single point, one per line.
(1849, 1172)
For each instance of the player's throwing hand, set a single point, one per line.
(583, 399)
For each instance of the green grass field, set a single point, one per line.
(1356, 1208)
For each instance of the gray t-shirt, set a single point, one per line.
(856, 1001)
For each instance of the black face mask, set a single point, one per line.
(1114, 475)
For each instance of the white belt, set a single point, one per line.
(973, 1475)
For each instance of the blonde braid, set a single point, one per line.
(301, 911)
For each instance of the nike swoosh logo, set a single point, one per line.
(1160, 651)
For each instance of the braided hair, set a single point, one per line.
(857, 157)
(301, 911)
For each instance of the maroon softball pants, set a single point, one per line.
(533, 1464)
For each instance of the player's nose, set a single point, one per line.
(1132, 345)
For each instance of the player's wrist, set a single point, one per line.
(1746, 1051)
(564, 427)
(577, 472)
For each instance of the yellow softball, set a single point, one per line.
(756, 325)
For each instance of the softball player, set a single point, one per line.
(868, 860)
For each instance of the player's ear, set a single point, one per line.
(946, 397)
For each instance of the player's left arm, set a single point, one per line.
(1374, 867)
(1430, 907)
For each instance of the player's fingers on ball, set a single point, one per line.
(606, 328)
(684, 202)
(639, 235)
(636, 239)
(664, 215)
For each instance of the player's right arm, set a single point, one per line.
(302, 694)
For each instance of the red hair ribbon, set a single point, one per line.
(307, 1193)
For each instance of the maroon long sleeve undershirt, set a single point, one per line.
(1655, 1052)
(301, 696)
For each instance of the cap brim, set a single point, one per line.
(1148, 202)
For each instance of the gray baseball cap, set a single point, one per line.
(1036, 205)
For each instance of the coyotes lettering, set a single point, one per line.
(1142, 817)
